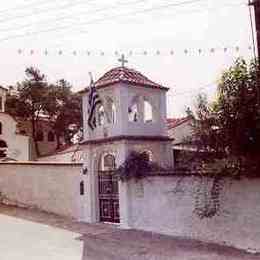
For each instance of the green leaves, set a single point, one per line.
(229, 128)
(56, 102)
(136, 166)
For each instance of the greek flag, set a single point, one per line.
(93, 101)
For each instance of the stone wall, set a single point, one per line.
(166, 205)
(47, 186)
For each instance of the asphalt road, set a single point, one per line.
(138, 245)
(25, 240)
(28, 234)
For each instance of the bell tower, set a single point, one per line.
(130, 117)
(133, 107)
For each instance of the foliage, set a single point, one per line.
(226, 134)
(32, 99)
(56, 102)
(207, 197)
(137, 166)
(227, 131)
(64, 110)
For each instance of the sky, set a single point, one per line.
(160, 38)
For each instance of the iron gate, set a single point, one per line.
(108, 196)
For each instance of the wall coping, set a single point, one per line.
(41, 163)
(195, 174)
(127, 138)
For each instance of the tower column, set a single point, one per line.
(124, 203)
(2, 99)
(141, 109)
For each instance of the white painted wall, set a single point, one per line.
(18, 145)
(58, 157)
(158, 204)
(72, 154)
(122, 95)
(50, 187)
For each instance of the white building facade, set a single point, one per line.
(13, 146)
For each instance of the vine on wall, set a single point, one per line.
(207, 197)
(137, 166)
(207, 193)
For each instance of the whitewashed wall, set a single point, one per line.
(67, 156)
(18, 145)
(166, 205)
(47, 186)
(122, 95)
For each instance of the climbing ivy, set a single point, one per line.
(207, 197)
(137, 166)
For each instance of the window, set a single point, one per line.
(39, 136)
(133, 113)
(1, 128)
(111, 111)
(51, 137)
(113, 116)
(108, 162)
(148, 112)
(101, 116)
(3, 149)
(81, 188)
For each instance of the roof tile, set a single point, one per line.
(126, 75)
(174, 122)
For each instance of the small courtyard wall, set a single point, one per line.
(166, 205)
(52, 187)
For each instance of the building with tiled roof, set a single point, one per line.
(16, 141)
(175, 122)
(128, 76)
(179, 129)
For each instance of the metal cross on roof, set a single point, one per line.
(123, 60)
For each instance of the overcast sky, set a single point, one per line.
(131, 27)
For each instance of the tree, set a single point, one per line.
(36, 98)
(64, 109)
(229, 128)
(31, 100)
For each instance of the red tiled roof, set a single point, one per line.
(126, 75)
(3, 88)
(174, 122)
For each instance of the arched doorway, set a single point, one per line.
(108, 189)
(3, 149)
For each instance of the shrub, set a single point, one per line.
(137, 166)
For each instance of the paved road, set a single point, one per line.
(25, 240)
(137, 245)
(28, 234)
